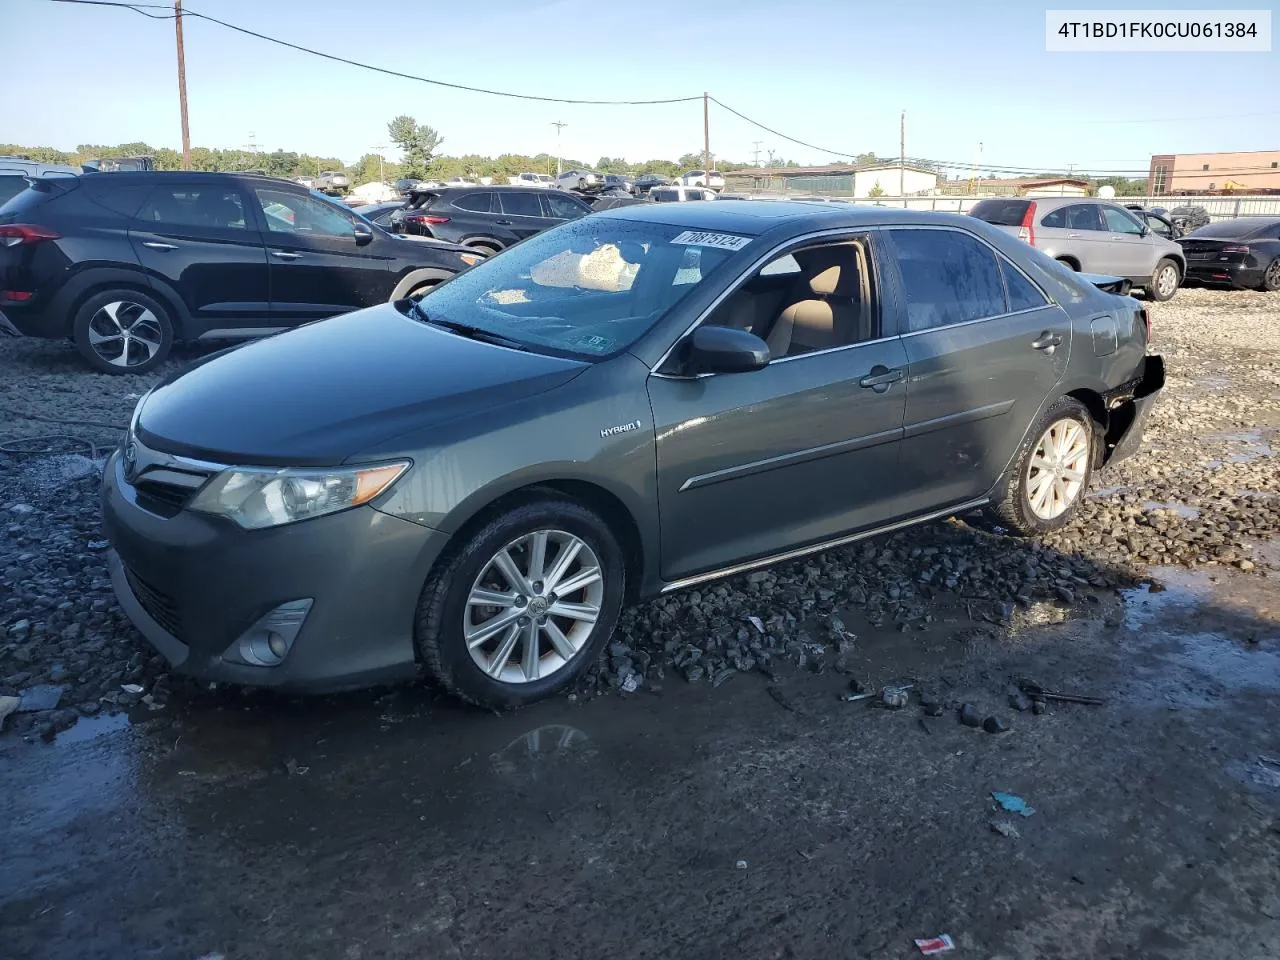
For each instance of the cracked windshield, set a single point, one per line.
(527, 480)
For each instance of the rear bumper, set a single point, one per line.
(1224, 274)
(1130, 408)
(46, 321)
(7, 328)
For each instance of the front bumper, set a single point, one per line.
(1130, 408)
(1224, 274)
(193, 584)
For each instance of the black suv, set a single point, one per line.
(488, 218)
(125, 264)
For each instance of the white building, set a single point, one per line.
(857, 181)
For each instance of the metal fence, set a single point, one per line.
(1218, 207)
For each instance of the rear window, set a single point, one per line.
(1001, 211)
(1243, 229)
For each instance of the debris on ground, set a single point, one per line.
(293, 768)
(7, 706)
(1036, 692)
(970, 716)
(894, 698)
(631, 684)
(741, 865)
(1019, 701)
(1012, 803)
(1039, 707)
(931, 707)
(1006, 829)
(781, 698)
(995, 724)
(935, 945)
(45, 696)
(855, 697)
(132, 688)
(757, 623)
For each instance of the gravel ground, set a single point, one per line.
(1204, 491)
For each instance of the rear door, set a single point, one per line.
(199, 238)
(985, 347)
(522, 212)
(1133, 254)
(318, 267)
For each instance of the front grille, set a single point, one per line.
(159, 606)
(163, 499)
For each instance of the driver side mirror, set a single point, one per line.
(363, 233)
(726, 350)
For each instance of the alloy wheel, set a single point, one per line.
(1272, 276)
(533, 606)
(125, 334)
(1167, 280)
(1058, 467)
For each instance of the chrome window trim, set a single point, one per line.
(830, 233)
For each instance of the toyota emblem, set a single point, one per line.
(130, 460)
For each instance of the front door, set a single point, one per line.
(318, 268)
(753, 464)
(1134, 254)
(197, 238)
(985, 348)
(522, 212)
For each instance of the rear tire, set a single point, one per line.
(1164, 281)
(488, 249)
(1069, 264)
(123, 331)
(1049, 475)
(1271, 278)
(481, 651)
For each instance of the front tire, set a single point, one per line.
(1164, 281)
(1047, 479)
(1069, 264)
(123, 331)
(1271, 278)
(524, 607)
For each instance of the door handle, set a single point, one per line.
(155, 245)
(1073, 236)
(286, 255)
(880, 378)
(505, 223)
(1046, 342)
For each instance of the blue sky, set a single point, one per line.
(833, 73)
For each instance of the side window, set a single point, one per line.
(816, 298)
(519, 203)
(475, 202)
(1159, 227)
(287, 212)
(195, 205)
(1083, 216)
(947, 277)
(125, 200)
(1055, 218)
(560, 208)
(1023, 294)
(1118, 221)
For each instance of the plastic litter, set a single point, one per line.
(935, 945)
(1006, 829)
(1012, 803)
(741, 864)
(855, 697)
(895, 698)
(631, 684)
(134, 688)
(42, 697)
(756, 622)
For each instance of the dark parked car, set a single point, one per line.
(642, 400)
(489, 218)
(128, 263)
(405, 185)
(1189, 217)
(645, 182)
(380, 213)
(1242, 253)
(617, 181)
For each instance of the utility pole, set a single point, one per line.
(706, 136)
(182, 86)
(902, 155)
(558, 124)
(756, 144)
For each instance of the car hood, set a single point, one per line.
(320, 394)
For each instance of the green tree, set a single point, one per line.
(418, 141)
(876, 190)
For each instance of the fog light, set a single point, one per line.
(269, 641)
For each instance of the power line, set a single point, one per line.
(140, 8)
(383, 70)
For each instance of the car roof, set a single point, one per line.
(166, 176)
(753, 217)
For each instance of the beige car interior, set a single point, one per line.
(827, 302)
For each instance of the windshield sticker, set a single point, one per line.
(594, 342)
(725, 241)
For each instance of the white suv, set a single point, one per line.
(700, 178)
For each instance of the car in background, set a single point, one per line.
(476, 483)
(577, 180)
(127, 265)
(332, 182)
(489, 219)
(16, 171)
(647, 181)
(381, 213)
(119, 165)
(542, 180)
(1091, 236)
(679, 194)
(1189, 217)
(619, 181)
(1243, 253)
(404, 186)
(700, 178)
(1159, 223)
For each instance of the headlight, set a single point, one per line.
(268, 498)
